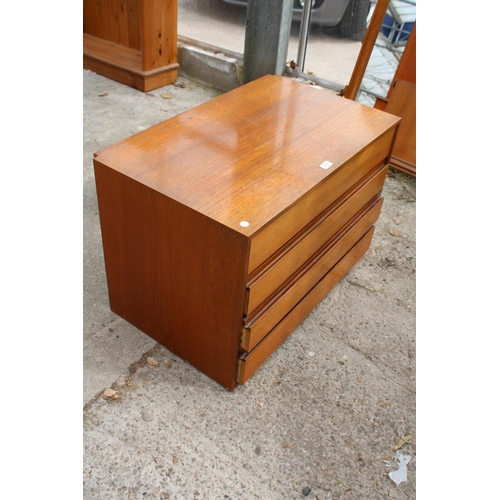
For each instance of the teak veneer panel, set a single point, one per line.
(160, 281)
(252, 154)
(314, 202)
(310, 239)
(171, 200)
(251, 362)
(257, 326)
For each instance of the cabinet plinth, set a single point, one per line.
(131, 41)
(224, 226)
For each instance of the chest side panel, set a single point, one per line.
(173, 273)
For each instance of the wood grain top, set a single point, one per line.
(249, 154)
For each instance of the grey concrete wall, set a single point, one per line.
(266, 40)
(209, 65)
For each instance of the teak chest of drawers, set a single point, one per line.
(225, 226)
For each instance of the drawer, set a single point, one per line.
(282, 228)
(266, 317)
(251, 361)
(271, 275)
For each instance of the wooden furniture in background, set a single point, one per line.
(402, 101)
(131, 41)
(224, 226)
(352, 89)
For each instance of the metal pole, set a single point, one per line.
(304, 33)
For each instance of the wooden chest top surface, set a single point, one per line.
(251, 153)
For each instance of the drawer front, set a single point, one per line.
(274, 235)
(294, 254)
(258, 325)
(249, 363)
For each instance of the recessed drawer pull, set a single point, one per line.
(265, 318)
(300, 249)
(250, 362)
(287, 225)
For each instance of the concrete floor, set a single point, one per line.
(326, 417)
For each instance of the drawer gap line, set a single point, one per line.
(282, 252)
(251, 319)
